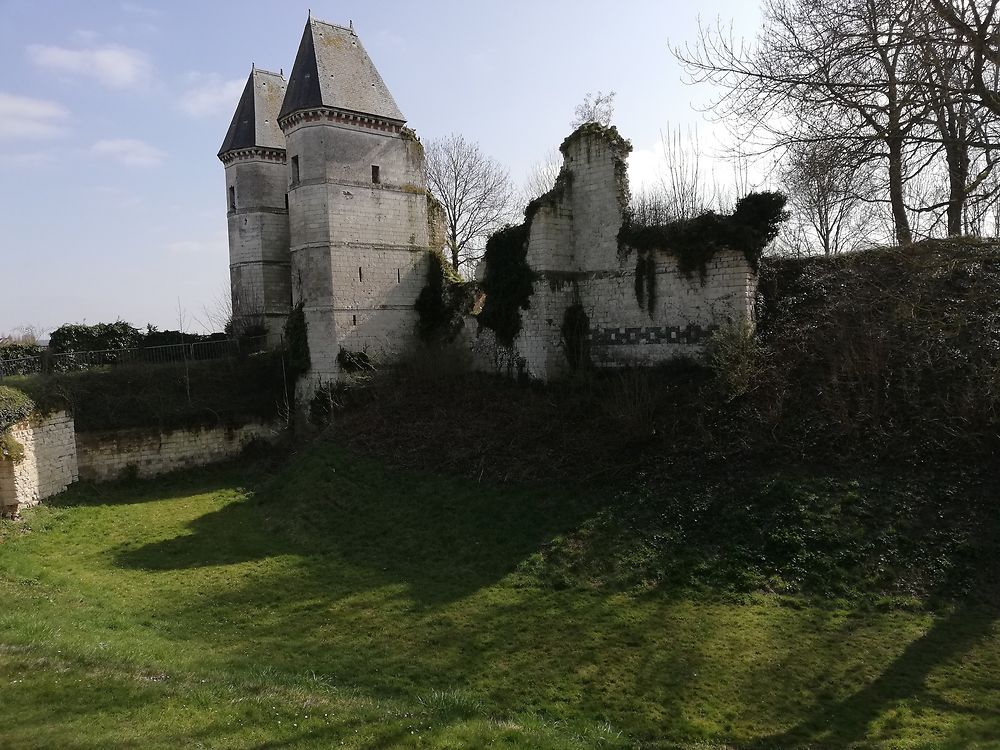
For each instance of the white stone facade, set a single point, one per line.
(49, 464)
(574, 252)
(328, 206)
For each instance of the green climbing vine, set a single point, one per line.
(576, 337)
(297, 341)
(694, 242)
(444, 301)
(508, 282)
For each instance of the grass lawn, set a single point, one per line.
(339, 603)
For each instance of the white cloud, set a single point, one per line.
(129, 151)
(646, 167)
(216, 244)
(23, 117)
(210, 95)
(140, 10)
(111, 65)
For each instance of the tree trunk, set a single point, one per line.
(900, 220)
(957, 156)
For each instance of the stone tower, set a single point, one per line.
(358, 205)
(256, 187)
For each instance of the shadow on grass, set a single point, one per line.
(444, 537)
(198, 481)
(954, 635)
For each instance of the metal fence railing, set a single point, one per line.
(170, 353)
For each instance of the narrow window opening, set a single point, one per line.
(354, 320)
(232, 197)
(295, 169)
(376, 177)
(286, 201)
(360, 277)
(398, 278)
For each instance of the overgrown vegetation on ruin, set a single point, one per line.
(15, 406)
(443, 302)
(508, 282)
(694, 242)
(297, 342)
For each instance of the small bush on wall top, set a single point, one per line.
(14, 407)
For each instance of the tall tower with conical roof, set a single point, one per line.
(256, 186)
(358, 205)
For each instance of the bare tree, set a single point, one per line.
(541, 177)
(599, 108)
(821, 72)
(475, 192)
(826, 194)
(977, 24)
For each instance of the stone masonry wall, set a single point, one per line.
(109, 455)
(49, 465)
(259, 263)
(573, 250)
(358, 245)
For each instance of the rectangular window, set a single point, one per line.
(295, 170)
(359, 274)
(286, 201)
(354, 320)
(232, 197)
(376, 177)
(398, 279)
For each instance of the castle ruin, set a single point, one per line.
(329, 210)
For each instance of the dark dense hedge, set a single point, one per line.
(10, 354)
(119, 335)
(168, 396)
(893, 351)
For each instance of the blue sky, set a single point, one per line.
(112, 201)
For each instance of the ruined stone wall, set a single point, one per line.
(359, 246)
(574, 251)
(49, 465)
(109, 455)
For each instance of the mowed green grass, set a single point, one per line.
(343, 604)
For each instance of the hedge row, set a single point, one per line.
(168, 396)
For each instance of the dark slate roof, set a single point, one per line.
(332, 69)
(256, 120)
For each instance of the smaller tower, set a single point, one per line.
(257, 206)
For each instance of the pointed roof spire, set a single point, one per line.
(255, 123)
(333, 70)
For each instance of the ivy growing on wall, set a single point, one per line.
(645, 281)
(297, 341)
(443, 302)
(15, 406)
(508, 282)
(694, 242)
(576, 337)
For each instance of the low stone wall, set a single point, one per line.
(105, 456)
(49, 465)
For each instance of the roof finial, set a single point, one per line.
(253, 67)
(310, 13)
(351, 22)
